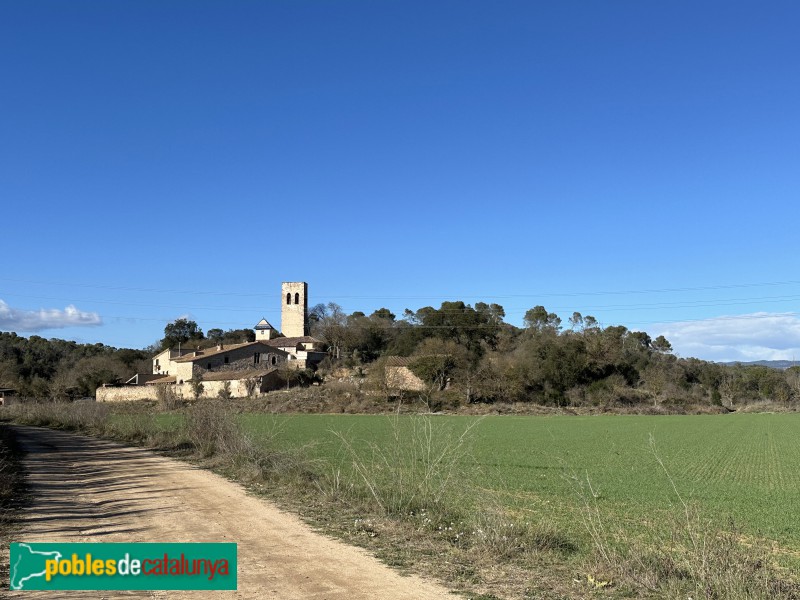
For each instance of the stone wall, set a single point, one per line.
(127, 393)
(211, 389)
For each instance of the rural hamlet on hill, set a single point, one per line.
(246, 367)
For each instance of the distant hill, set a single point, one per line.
(774, 364)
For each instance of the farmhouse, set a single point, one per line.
(244, 367)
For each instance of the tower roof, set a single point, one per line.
(263, 324)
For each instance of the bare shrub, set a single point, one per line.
(212, 430)
(225, 392)
(80, 416)
(419, 468)
(167, 398)
(251, 386)
(197, 388)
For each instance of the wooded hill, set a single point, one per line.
(485, 359)
(463, 354)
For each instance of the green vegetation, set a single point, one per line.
(514, 507)
(468, 355)
(741, 467)
(63, 370)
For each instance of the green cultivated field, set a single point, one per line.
(742, 469)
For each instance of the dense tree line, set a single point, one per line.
(463, 353)
(471, 354)
(40, 368)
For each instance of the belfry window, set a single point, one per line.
(297, 298)
(289, 298)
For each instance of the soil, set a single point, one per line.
(88, 490)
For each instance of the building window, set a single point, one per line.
(227, 360)
(288, 298)
(256, 358)
(297, 298)
(274, 360)
(208, 366)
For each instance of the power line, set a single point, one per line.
(418, 297)
(606, 308)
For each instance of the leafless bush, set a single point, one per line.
(420, 468)
(251, 385)
(212, 430)
(167, 398)
(85, 416)
(225, 392)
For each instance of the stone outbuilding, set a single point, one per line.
(399, 376)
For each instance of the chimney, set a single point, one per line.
(220, 346)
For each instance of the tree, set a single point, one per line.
(180, 331)
(215, 334)
(225, 392)
(662, 345)
(383, 314)
(538, 319)
(435, 362)
(197, 388)
(330, 324)
(460, 323)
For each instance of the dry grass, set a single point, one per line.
(11, 496)
(685, 556)
(418, 469)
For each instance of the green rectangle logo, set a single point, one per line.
(86, 566)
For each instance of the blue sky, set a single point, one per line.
(631, 160)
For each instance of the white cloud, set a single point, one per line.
(756, 336)
(14, 319)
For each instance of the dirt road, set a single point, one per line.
(88, 490)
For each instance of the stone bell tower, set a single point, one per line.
(294, 308)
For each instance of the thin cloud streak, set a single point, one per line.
(14, 319)
(755, 336)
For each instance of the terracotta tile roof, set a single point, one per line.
(165, 379)
(232, 375)
(399, 361)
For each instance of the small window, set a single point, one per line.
(256, 358)
(274, 360)
(227, 360)
(208, 366)
(288, 298)
(297, 298)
